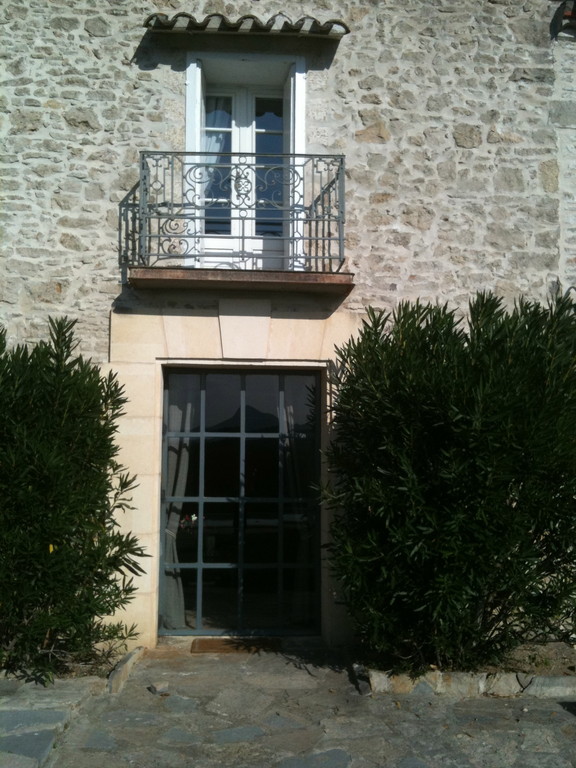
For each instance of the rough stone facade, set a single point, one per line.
(457, 120)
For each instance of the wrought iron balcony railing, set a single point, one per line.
(235, 211)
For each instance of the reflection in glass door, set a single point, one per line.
(240, 508)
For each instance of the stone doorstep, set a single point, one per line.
(470, 684)
(232, 644)
(235, 644)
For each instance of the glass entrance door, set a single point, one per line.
(240, 513)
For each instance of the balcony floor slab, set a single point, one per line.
(332, 283)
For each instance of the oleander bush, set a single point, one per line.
(454, 481)
(64, 566)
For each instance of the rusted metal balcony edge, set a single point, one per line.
(170, 278)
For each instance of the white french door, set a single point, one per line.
(244, 195)
(245, 115)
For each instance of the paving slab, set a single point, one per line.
(10, 760)
(18, 720)
(332, 758)
(36, 745)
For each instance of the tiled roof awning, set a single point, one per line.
(279, 24)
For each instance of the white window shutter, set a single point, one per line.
(295, 109)
(195, 89)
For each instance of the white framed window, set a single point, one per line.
(245, 116)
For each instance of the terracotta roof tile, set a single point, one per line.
(279, 24)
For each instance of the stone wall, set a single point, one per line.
(457, 119)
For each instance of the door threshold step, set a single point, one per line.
(236, 644)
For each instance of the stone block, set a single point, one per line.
(384, 682)
(195, 335)
(563, 114)
(83, 118)
(548, 172)
(97, 26)
(376, 133)
(121, 672)
(467, 136)
(502, 684)
(245, 327)
(461, 684)
(551, 687)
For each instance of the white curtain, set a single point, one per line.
(218, 116)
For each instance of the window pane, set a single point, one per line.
(299, 531)
(260, 533)
(220, 533)
(220, 596)
(183, 467)
(269, 144)
(299, 599)
(262, 403)
(183, 402)
(222, 470)
(222, 402)
(218, 219)
(261, 469)
(270, 184)
(300, 465)
(217, 180)
(189, 578)
(214, 144)
(261, 605)
(269, 114)
(218, 111)
(267, 223)
(300, 399)
(187, 536)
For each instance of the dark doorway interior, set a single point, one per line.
(240, 502)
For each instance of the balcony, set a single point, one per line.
(236, 219)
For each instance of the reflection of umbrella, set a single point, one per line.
(180, 413)
(258, 421)
(173, 592)
(564, 18)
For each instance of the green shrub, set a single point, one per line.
(454, 463)
(64, 566)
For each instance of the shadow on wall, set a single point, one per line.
(158, 49)
(206, 303)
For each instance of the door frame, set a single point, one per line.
(283, 368)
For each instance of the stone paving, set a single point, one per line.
(32, 717)
(279, 710)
